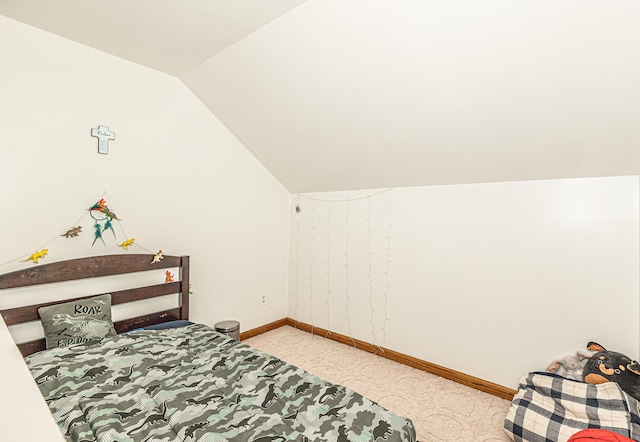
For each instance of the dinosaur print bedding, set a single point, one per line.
(195, 384)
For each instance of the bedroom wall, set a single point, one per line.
(492, 280)
(176, 177)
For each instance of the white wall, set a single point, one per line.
(493, 280)
(177, 178)
(22, 394)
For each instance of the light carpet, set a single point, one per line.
(441, 410)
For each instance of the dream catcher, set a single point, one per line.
(102, 216)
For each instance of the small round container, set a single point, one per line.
(229, 328)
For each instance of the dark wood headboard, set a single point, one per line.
(96, 266)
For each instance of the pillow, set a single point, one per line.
(167, 325)
(548, 407)
(598, 435)
(77, 322)
(178, 323)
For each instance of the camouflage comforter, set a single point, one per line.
(194, 384)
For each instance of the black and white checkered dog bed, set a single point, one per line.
(550, 408)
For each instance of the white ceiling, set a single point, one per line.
(354, 94)
(172, 36)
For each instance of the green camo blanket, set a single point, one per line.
(195, 384)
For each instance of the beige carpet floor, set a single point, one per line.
(441, 410)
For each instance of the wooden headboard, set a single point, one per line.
(96, 266)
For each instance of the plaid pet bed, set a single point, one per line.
(550, 408)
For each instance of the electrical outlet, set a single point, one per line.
(263, 299)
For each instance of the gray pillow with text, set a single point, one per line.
(77, 322)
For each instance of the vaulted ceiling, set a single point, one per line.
(354, 94)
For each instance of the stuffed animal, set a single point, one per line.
(570, 367)
(610, 366)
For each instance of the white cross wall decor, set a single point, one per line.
(104, 135)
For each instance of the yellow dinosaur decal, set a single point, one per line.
(125, 245)
(36, 256)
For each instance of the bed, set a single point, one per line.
(159, 377)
